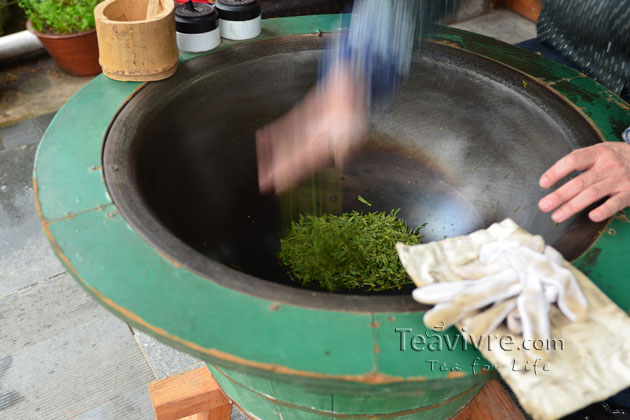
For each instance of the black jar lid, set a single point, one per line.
(238, 10)
(195, 18)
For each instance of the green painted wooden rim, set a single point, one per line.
(341, 349)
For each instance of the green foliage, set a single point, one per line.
(60, 16)
(350, 251)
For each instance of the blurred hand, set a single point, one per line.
(322, 130)
(607, 174)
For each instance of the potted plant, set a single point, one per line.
(66, 29)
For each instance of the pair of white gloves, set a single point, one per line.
(513, 278)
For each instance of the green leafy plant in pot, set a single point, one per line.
(66, 29)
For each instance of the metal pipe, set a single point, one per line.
(17, 44)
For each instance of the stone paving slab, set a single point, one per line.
(134, 405)
(237, 415)
(75, 372)
(25, 132)
(165, 360)
(35, 88)
(25, 254)
(43, 311)
(501, 24)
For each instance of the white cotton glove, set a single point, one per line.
(571, 300)
(519, 279)
(455, 300)
(479, 326)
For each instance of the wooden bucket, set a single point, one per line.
(136, 39)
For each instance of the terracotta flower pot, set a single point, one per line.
(75, 53)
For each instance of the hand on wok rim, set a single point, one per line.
(606, 173)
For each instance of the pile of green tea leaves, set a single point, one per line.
(348, 252)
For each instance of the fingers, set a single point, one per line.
(607, 173)
(571, 300)
(324, 128)
(568, 191)
(440, 292)
(298, 163)
(534, 314)
(585, 198)
(577, 160)
(285, 147)
(614, 204)
(490, 289)
(481, 325)
(264, 157)
(514, 323)
(443, 315)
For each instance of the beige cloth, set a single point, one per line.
(591, 359)
(510, 277)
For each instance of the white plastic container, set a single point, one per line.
(197, 27)
(239, 19)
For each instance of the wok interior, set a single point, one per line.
(462, 147)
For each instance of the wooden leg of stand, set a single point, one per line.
(197, 395)
(193, 395)
(492, 403)
(220, 413)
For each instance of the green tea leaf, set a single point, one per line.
(349, 251)
(364, 201)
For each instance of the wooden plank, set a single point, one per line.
(492, 403)
(497, 4)
(223, 412)
(527, 8)
(187, 395)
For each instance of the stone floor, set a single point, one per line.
(35, 88)
(62, 356)
(501, 24)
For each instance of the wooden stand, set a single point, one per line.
(196, 394)
(193, 395)
(492, 403)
